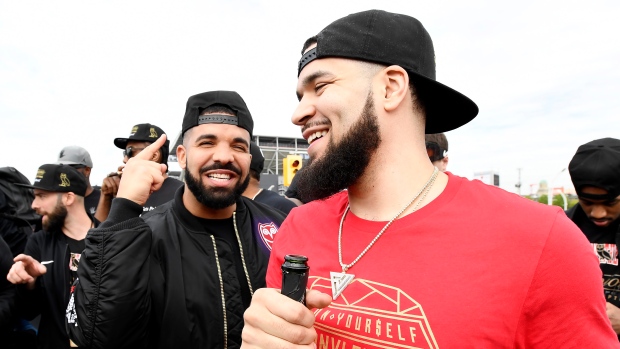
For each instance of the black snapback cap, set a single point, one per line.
(196, 104)
(597, 164)
(258, 160)
(59, 179)
(395, 39)
(141, 133)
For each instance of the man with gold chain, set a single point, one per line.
(409, 256)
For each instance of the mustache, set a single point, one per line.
(218, 166)
(315, 123)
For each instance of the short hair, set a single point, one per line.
(254, 174)
(418, 101)
(438, 138)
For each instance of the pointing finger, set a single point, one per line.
(148, 152)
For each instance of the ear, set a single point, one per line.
(395, 87)
(68, 199)
(181, 156)
(156, 156)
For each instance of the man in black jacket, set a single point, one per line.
(46, 270)
(183, 274)
(595, 172)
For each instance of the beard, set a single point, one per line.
(343, 163)
(56, 219)
(216, 198)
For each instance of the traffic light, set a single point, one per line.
(290, 165)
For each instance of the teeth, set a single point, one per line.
(219, 176)
(316, 135)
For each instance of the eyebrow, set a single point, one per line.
(310, 78)
(213, 137)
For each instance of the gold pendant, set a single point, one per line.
(340, 281)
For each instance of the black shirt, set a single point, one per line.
(163, 195)
(91, 201)
(274, 200)
(224, 229)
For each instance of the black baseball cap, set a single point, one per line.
(258, 160)
(141, 133)
(196, 104)
(59, 179)
(396, 39)
(597, 164)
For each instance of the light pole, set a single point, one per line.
(550, 190)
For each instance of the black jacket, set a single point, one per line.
(52, 289)
(137, 289)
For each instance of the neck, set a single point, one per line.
(197, 209)
(252, 190)
(77, 224)
(395, 174)
(89, 189)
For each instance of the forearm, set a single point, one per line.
(103, 208)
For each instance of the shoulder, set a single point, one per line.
(259, 210)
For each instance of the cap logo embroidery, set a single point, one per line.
(133, 131)
(40, 173)
(64, 181)
(153, 134)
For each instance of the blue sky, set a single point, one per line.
(544, 73)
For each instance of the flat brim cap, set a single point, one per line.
(59, 179)
(395, 39)
(141, 133)
(196, 104)
(74, 155)
(597, 164)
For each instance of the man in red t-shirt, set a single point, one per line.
(409, 256)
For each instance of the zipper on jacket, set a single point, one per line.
(245, 269)
(219, 275)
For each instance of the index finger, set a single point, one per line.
(148, 152)
(24, 258)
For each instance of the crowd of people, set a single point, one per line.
(401, 253)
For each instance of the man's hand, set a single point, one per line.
(110, 184)
(276, 321)
(613, 313)
(141, 175)
(26, 270)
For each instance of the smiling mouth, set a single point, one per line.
(219, 177)
(318, 134)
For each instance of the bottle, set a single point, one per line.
(295, 277)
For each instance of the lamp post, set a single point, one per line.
(550, 190)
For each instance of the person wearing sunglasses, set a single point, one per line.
(140, 137)
(437, 150)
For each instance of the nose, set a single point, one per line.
(223, 154)
(598, 212)
(305, 111)
(125, 158)
(35, 203)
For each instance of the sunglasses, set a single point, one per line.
(129, 152)
(435, 152)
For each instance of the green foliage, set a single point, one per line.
(557, 200)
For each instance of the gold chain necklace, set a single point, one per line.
(340, 281)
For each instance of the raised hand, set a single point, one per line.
(141, 176)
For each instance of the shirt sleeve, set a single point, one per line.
(565, 306)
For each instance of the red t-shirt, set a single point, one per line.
(477, 267)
